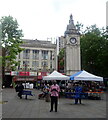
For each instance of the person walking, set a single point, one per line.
(78, 91)
(54, 89)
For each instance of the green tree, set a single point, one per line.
(10, 40)
(79, 27)
(61, 59)
(94, 50)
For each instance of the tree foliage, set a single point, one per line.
(61, 59)
(10, 40)
(94, 50)
(79, 27)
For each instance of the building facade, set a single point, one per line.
(37, 56)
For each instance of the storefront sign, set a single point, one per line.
(24, 73)
(41, 74)
(33, 73)
(14, 73)
(25, 79)
(20, 78)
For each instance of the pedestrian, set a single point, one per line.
(78, 91)
(20, 90)
(38, 85)
(17, 88)
(54, 89)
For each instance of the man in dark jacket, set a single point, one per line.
(20, 90)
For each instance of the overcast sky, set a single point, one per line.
(42, 19)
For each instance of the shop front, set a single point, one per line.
(25, 79)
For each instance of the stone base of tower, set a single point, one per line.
(71, 72)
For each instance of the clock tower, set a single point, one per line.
(72, 48)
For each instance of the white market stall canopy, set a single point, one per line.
(56, 76)
(85, 76)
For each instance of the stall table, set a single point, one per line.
(94, 95)
(72, 94)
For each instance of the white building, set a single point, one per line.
(37, 56)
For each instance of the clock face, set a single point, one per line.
(73, 40)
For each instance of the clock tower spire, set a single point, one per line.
(71, 29)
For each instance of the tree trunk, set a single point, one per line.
(3, 65)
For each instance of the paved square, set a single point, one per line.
(13, 107)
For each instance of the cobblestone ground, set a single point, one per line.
(13, 107)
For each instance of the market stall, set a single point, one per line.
(60, 78)
(85, 76)
(56, 76)
(94, 92)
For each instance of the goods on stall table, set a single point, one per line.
(94, 95)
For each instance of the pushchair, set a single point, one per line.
(43, 94)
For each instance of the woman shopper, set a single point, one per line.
(54, 89)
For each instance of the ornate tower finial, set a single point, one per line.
(71, 17)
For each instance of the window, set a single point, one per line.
(44, 64)
(44, 55)
(50, 55)
(35, 64)
(35, 54)
(50, 65)
(26, 54)
(25, 64)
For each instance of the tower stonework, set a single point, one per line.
(72, 49)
